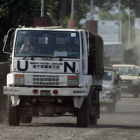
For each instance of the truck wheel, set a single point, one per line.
(83, 114)
(93, 120)
(13, 113)
(136, 95)
(26, 119)
(111, 108)
(59, 113)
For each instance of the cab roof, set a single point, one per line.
(123, 65)
(137, 66)
(109, 68)
(48, 29)
(112, 43)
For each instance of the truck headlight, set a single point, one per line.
(19, 79)
(73, 80)
(135, 81)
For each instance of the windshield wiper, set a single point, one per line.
(32, 57)
(49, 57)
(60, 57)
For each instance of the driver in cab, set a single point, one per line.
(30, 46)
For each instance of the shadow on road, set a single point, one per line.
(75, 126)
(127, 97)
(116, 126)
(121, 113)
(50, 125)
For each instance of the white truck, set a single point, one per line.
(129, 78)
(116, 52)
(111, 90)
(138, 73)
(53, 73)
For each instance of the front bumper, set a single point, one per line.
(106, 97)
(103, 101)
(28, 91)
(130, 88)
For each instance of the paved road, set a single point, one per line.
(124, 124)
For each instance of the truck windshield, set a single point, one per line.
(47, 44)
(107, 75)
(131, 71)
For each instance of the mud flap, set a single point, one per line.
(78, 101)
(15, 100)
(95, 104)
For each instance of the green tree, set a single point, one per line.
(105, 15)
(19, 12)
(16, 12)
(60, 11)
(110, 4)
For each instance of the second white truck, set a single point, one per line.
(111, 90)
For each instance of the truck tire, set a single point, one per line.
(13, 113)
(93, 120)
(136, 95)
(83, 114)
(26, 119)
(111, 108)
(59, 113)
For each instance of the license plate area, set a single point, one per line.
(45, 93)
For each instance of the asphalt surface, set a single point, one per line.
(124, 124)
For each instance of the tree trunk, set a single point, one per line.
(64, 12)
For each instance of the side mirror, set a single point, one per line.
(139, 74)
(5, 38)
(5, 41)
(10, 59)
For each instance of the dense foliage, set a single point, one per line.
(110, 4)
(14, 13)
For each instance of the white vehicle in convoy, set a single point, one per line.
(138, 73)
(111, 90)
(116, 52)
(52, 73)
(129, 78)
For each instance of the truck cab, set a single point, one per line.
(53, 73)
(116, 52)
(129, 78)
(111, 90)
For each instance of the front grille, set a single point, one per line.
(126, 81)
(46, 80)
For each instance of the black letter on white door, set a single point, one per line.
(66, 65)
(22, 69)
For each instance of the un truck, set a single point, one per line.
(53, 73)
